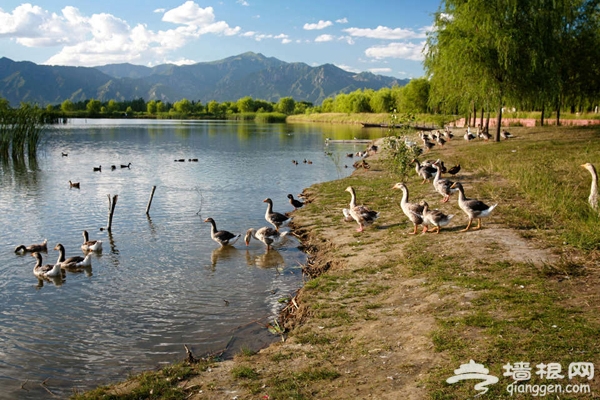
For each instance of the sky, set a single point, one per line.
(381, 36)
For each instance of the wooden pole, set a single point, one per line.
(111, 210)
(150, 200)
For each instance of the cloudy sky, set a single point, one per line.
(381, 36)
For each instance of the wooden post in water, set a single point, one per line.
(150, 201)
(111, 210)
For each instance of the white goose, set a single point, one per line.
(267, 235)
(44, 271)
(90, 245)
(72, 262)
(593, 199)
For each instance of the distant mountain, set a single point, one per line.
(247, 74)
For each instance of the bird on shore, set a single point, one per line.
(434, 217)
(295, 202)
(74, 184)
(33, 247)
(593, 199)
(266, 235)
(274, 218)
(413, 211)
(223, 238)
(72, 262)
(423, 170)
(472, 207)
(361, 214)
(454, 170)
(44, 271)
(506, 134)
(90, 245)
(442, 186)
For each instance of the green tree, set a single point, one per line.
(93, 106)
(246, 104)
(183, 106)
(415, 97)
(160, 107)
(67, 106)
(286, 105)
(151, 107)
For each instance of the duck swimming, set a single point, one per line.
(33, 247)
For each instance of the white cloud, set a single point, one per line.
(243, 2)
(382, 32)
(103, 38)
(159, 10)
(406, 50)
(324, 38)
(380, 70)
(342, 20)
(348, 39)
(348, 68)
(262, 36)
(319, 25)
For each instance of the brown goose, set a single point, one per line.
(267, 235)
(33, 247)
(442, 186)
(361, 214)
(224, 238)
(274, 218)
(472, 207)
(90, 245)
(434, 217)
(72, 262)
(424, 171)
(413, 211)
(44, 271)
(74, 184)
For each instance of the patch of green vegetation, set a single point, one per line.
(244, 372)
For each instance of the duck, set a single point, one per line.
(64, 154)
(126, 166)
(593, 199)
(506, 134)
(72, 262)
(113, 167)
(223, 238)
(361, 214)
(44, 271)
(442, 186)
(74, 184)
(98, 168)
(90, 245)
(295, 202)
(413, 211)
(454, 170)
(33, 247)
(274, 218)
(472, 207)
(424, 171)
(267, 235)
(434, 217)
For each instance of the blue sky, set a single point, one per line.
(384, 37)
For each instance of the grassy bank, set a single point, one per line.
(390, 315)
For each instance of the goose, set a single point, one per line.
(442, 186)
(472, 207)
(434, 217)
(424, 171)
(74, 184)
(64, 154)
(274, 218)
(33, 247)
(294, 202)
(224, 238)
(44, 271)
(593, 199)
(361, 214)
(72, 262)
(126, 166)
(506, 134)
(90, 245)
(98, 168)
(267, 235)
(413, 211)
(485, 135)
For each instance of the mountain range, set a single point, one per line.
(229, 79)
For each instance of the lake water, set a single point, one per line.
(160, 281)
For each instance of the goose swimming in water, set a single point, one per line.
(74, 184)
(33, 247)
(267, 235)
(90, 245)
(274, 218)
(44, 271)
(224, 238)
(72, 262)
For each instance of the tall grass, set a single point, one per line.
(21, 132)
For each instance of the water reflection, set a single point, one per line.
(222, 255)
(269, 259)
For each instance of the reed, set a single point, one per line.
(21, 131)
(271, 117)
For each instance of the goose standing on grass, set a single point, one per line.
(361, 214)
(72, 262)
(224, 238)
(593, 199)
(90, 245)
(267, 235)
(274, 218)
(44, 271)
(442, 186)
(423, 170)
(434, 217)
(472, 207)
(413, 211)
(506, 134)
(294, 202)
(33, 247)
(454, 170)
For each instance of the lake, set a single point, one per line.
(160, 281)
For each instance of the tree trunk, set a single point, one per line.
(481, 119)
(487, 123)
(499, 121)
(542, 117)
(474, 115)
